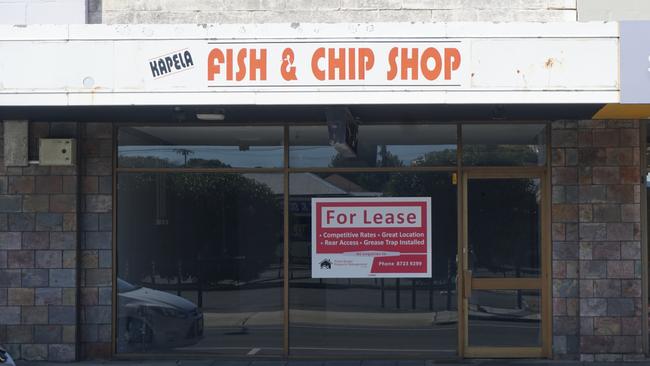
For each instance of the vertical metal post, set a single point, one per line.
(460, 258)
(431, 294)
(285, 257)
(114, 304)
(449, 283)
(413, 291)
(397, 295)
(178, 278)
(383, 293)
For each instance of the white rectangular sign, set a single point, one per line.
(371, 237)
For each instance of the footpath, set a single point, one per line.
(332, 363)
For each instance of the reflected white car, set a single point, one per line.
(5, 358)
(151, 319)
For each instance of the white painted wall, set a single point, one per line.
(589, 10)
(42, 11)
(334, 11)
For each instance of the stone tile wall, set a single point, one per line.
(38, 256)
(56, 260)
(596, 234)
(96, 240)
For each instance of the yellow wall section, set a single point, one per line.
(623, 111)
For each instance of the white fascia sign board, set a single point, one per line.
(403, 63)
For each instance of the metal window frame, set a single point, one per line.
(544, 171)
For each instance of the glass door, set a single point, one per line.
(504, 292)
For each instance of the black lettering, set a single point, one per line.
(169, 62)
(188, 58)
(154, 68)
(162, 67)
(177, 64)
(180, 57)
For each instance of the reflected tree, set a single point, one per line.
(232, 225)
(503, 225)
(374, 182)
(144, 162)
(503, 155)
(185, 153)
(223, 229)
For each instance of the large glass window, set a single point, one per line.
(200, 266)
(380, 317)
(200, 263)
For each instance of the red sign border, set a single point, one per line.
(423, 202)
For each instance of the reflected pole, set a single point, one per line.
(397, 299)
(383, 297)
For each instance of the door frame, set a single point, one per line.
(465, 284)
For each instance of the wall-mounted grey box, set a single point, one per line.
(57, 152)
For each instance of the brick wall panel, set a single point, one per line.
(38, 228)
(609, 248)
(96, 232)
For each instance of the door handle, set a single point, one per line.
(467, 284)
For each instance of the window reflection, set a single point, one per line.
(359, 316)
(379, 146)
(200, 255)
(200, 147)
(199, 263)
(504, 227)
(504, 144)
(513, 314)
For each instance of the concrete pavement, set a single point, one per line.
(261, 362)
(342, 318)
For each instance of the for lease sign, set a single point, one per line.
(371, 237)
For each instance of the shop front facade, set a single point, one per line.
(161, 185)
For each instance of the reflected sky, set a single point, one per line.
(270, 156)
(250, 156)
(321, 156)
